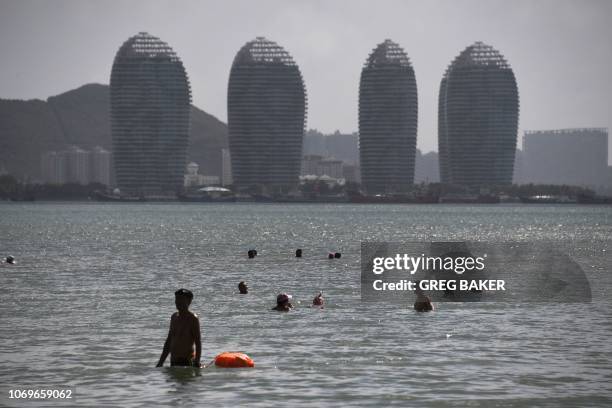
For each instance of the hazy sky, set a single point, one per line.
(561, 51)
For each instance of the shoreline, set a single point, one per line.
(317, 202)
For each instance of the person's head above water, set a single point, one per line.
(283, 303)
(422, 302)
(182, 299)
(10, 259)
(283, 299)
(318, 300)
(243, 288)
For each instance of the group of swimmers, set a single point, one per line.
(184, 330)
(252, 253)
(283, 300)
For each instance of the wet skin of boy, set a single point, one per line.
(183, 334)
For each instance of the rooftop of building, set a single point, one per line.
(480, 54)
(566, 131)
(388, 53)
(144, 44)
(263, 51)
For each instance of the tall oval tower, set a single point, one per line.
(266, 112)
(150, 101)
(478, 119)
(388, 114)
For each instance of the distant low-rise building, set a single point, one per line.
(566, 156)
(100, 161)
(76, 165)
(310, 164)
(351, 173)
(344, 147)
(319, 166)
(205, 180)
(193, 179)
(331, 167)
(54, 168)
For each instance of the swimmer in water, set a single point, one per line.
(283, 303)
(318, 300)
(423, 302)
(243, 288)
(183, 334)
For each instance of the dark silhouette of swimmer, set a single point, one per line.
(10, 260)
(251, 253)
(422, 302)
(298, 253)
(318, 300)
(183, 334)
(243, 288)
(283, 303)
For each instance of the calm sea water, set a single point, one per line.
(87, 307)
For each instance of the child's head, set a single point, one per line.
(283, 299)
(243, 288)
(182, 299)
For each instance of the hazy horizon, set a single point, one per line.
(560, 51)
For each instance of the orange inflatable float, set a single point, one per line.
(233, 359)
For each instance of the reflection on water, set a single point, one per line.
(89, 302)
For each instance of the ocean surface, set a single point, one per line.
(87, 308)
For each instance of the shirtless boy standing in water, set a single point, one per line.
(184, 332)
